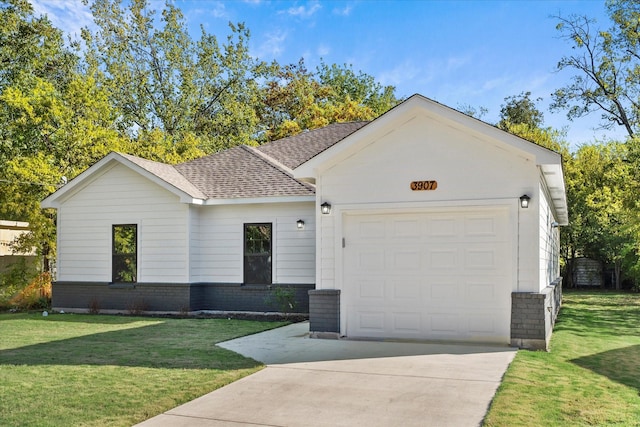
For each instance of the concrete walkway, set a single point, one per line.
(314, 382)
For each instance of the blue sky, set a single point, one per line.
(458, 53)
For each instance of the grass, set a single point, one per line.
(590, 377)
(89, 370)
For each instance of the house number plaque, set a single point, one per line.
(424, 185)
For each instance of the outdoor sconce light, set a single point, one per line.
(300, 224)
(554, 224)
(325, 208)
(524, 201)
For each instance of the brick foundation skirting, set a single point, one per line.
(177, 297)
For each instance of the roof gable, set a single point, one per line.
(162, 174)
(419, 107)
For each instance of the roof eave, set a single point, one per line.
(258, 200)
(554, 178)
(54, 200)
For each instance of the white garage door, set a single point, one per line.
(436, 275)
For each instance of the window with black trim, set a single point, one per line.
(124, 259)
(257, 254)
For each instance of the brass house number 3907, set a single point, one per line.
(424, 185)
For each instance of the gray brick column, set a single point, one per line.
(533, 315)
(324, 313)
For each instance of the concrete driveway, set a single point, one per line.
(314, 382)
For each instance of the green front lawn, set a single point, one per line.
(86, 370)
(591, 376)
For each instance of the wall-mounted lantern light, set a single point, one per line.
(524, 201)
(325, 208)
(300, 224)
(554, 224)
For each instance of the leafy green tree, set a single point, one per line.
(31, 51)
(62, 131)
(520, 109)
(361, 88)
(159, 79)
(599, 184)
(521, 116)
(607, 66)
(298, 99)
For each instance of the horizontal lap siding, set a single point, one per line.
(549, 243)
(219, 258)
(121, 196)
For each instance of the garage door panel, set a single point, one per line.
(443, 290)
(372, 322)
(444, 323)
(481, 324)
(370, 259)
(442, 227)
(371, 289)
(442, 259)
(404, 291)
(443, 275)
(405, 229)
(404, 259)
(406, 324)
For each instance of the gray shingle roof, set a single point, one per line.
(247, 172)
(295, 150)
(167, 173)
(241, 172)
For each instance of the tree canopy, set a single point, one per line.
(141, 84)
(607, 67)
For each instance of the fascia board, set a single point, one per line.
(259, 200)
(553, 176)
(409, 110)
(79, 182)
(101, 167)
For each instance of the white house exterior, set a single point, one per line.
(425, 239)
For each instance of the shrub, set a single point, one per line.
(284, 297)
(36, 295)
(13, 279)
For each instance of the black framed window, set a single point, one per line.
(124, 259)
(257, 254)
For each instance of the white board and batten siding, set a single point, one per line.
(122, 196)
(219, 229)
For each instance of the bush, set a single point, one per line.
(13, 279)
(284, 297)
(36, 295)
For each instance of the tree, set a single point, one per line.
(607, 65)
(599, 184)
(63, 131)
(520, 109)
(298, 99)
(159, 79)
(520, 116)
(31, 51)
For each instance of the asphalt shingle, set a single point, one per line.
(295, 150)
(240, 172)
(167, 173)
(247, 172)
